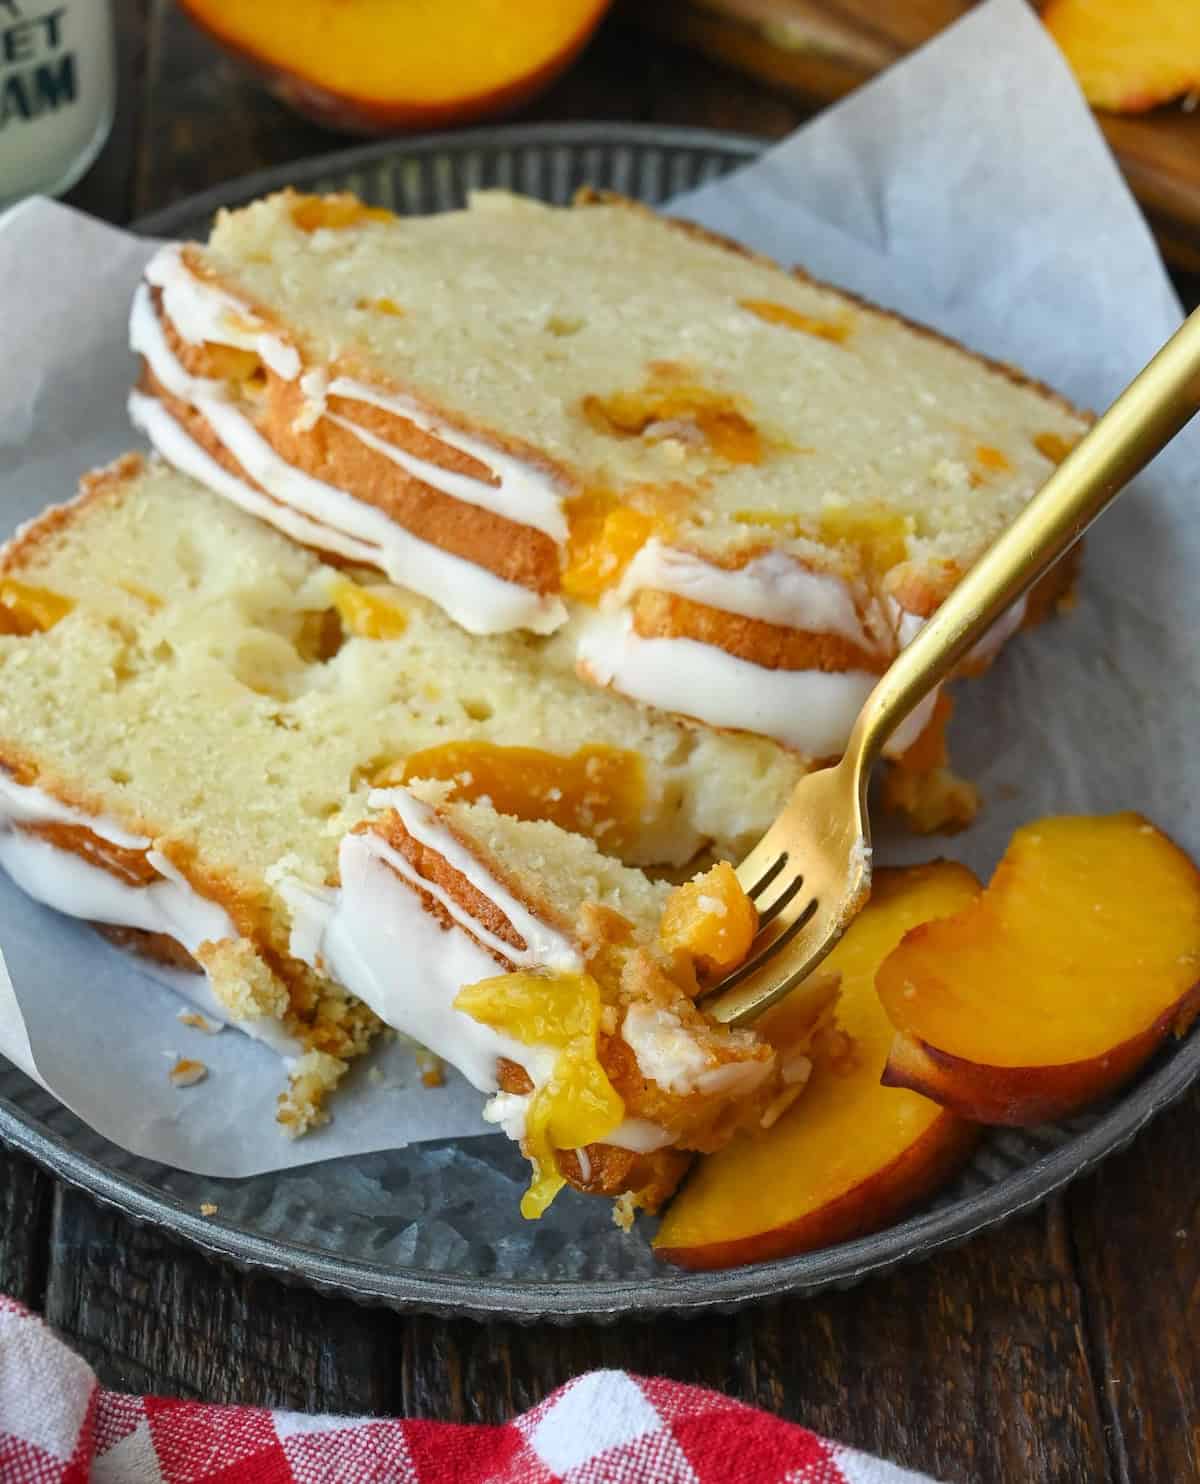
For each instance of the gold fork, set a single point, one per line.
(811, 871)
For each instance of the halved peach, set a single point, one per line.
(1057, 983)
(1129, 55)
(373, 66)
(850, 1155)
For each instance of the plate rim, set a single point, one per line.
(671, 1291)
(679, 1292)
(576, 133)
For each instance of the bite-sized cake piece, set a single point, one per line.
(732, 491)
(558, 981)
(186, 697)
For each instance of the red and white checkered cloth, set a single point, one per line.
(58, 1426)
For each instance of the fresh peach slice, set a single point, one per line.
(849, 1156)
(1058, 982)
(374, 66)
(1129, 55)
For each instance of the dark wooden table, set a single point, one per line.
(1065, 1346)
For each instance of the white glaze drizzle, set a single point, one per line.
(70, 884)
(524, 493)
(545, 947)
(172, 441)
(909, 625)
(665, 1051)
(312, 499)
(475, 598)
(202, 311)
(668, 1054)
(508, 1110)
(810, 710)
(986, 649)
(639, 1135)
(62, 880)
(733, 1078)
(375, 937)
(310, 510)
(24, 803)
(147, 338)
(774, 587)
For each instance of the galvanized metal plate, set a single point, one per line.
(435, 1227)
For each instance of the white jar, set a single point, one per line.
(57, 90)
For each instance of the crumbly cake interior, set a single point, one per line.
(207, 706)
(552, 866)
(633, 354)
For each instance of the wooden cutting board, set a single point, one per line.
(819, 50)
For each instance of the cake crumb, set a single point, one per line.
(377, 1077)
(207, 1208)
(624, 1208)
(796, 1070)
(200, 1022)
(431, 1067)
(311, 1078)
(186, 1073)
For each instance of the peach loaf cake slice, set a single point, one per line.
(186, 697)
(731, 491)
(560, 982)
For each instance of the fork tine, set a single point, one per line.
(778, 923)
(774, 908)
(768, 945)
(765, 876)
(762, 974)
(807, 877)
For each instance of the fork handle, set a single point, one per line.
(1138, 425)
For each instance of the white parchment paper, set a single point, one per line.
(969, 188)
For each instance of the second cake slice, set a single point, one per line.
(194, 712)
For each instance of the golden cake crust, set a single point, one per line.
(511, 551)
(659, 615)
